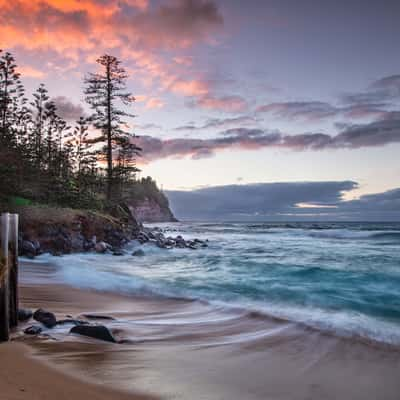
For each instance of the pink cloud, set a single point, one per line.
(154, 102)
(30, 72)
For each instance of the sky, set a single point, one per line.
(237, 94)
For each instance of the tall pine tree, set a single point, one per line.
(106, 92)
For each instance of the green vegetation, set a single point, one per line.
(44, 160)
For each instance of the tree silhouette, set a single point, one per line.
(11, 93)
(106, 93)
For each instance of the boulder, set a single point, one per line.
(115, 237)
(77, 242)
(28, 248)
(102, 247)
(143, 237)
(138, 253)
(99, 332)
(36, 244)
(33, 330)
(47, 318)
(118, 252)
(62, 243)
(89, 244)
(24, 314)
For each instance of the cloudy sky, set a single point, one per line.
(232, 94)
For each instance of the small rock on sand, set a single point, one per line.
(33, 330)
(99, 332)
(47, 318)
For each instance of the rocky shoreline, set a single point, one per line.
(88, 232)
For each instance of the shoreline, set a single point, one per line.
(251, 312)
(184, 349)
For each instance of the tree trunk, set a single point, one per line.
(109, 138)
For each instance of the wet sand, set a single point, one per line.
(23, 377)
(179, 349)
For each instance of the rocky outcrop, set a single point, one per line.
(62, 231)
(149, 210)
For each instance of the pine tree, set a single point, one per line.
(105, 91)
(39, 110)
(11, 93)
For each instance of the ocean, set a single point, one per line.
(338, 277)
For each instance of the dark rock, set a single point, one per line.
(102, 247)
(77, 242)
(90, 244)
(115, 237)
(99, 332)
(33, 330)
(24, 314)
(36, 244)
(47, 318)
(28, 248)
(143, 237)
(138, 253)
(118, 253)
(95, 316)
(160, 244)
(62, 243)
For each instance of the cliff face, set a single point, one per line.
(149, 210)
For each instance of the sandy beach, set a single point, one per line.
(170, 350)
(25, 377)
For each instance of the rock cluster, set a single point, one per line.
(81, 327)
(158, 238)
(64, 243)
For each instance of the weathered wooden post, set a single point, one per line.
(13, 270)
(4, 279)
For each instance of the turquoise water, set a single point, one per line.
(341, 277)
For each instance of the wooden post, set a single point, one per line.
(13, 270)
(4, 279)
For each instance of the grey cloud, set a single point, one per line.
(282, 201)
(180, 21)
(251, 201)
(382, 90)
(67, 109)
(312, 110)
(377, 133)
(316, 110)
(220, 123)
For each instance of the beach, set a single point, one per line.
(24, 377)
(185, 349)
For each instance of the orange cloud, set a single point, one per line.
(30, 72)
(73, 32)
(154, 103)
(89, 24)
(189, 88)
